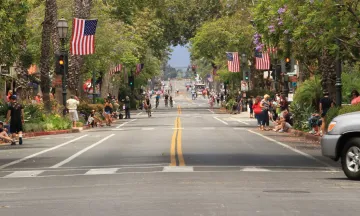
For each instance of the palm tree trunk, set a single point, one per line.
(46, 55)
(81, 10)
(22, 65)
(328, 73)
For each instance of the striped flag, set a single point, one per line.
(262, 60)
(233, 61)
(83, 37)
(139, 67)
(116, 69)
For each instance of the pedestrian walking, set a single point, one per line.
(284, 104)
(16, 116)
(325, 104)
(265, 106)
(257, 110)
(71, 104)
(108, 108)
(251, 102)
(127, 107)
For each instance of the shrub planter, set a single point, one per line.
(44, 133)
(306, 135)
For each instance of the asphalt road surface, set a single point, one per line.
(185, 160)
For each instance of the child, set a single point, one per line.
(315, 123)
(4, 135)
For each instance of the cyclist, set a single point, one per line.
(147, 106)
(166, 100)
(157, 99)
(193, 94)
(171, 102)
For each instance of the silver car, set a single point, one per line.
(343, 142)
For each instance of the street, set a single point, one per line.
(185, 160)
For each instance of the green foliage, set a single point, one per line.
(34, 112)
(50, 123)
(100, 100)
(301, 113)
(350, 80)
(85, 108)
(3, 110)
(333, 112)
(230, 104)
(178, 20)
(309, 26)
(33, 127)
(309, 92)
(12, 24)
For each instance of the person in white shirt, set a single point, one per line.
(71, 105)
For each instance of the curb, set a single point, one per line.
(306, 135)
(45, 133)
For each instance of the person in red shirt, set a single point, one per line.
(10, 93)
(257, 110)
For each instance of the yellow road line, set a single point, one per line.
(173, 145)
(179, 144)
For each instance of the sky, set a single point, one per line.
(180, 57)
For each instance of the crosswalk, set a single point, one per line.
(155, 169)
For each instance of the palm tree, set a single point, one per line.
(50, 21)
(328, 73)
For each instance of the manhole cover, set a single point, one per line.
(285, 191)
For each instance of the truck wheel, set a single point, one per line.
(350, 159)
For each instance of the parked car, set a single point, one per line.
(343, 142)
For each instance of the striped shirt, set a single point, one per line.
(265, 104)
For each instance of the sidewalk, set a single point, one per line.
(245, 116)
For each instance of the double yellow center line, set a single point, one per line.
(176, 154)
(179, 109)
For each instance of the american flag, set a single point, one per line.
(233, 61)
(139, 67)
(272, 50)
(83, 37)
(116, 69)
(262, 60)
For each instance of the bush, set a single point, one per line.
(3, 110)
(34, 113)
(85, 108)
(56, 122)
(301, 114)
(99, 100)
(309, 92)
(230, 104)
(33, 127)
(334, 111)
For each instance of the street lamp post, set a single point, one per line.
(62, 28)
(338, 84)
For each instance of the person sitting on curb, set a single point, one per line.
(4, 135)
(285, 122)
(315, 123)
(93, 121)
